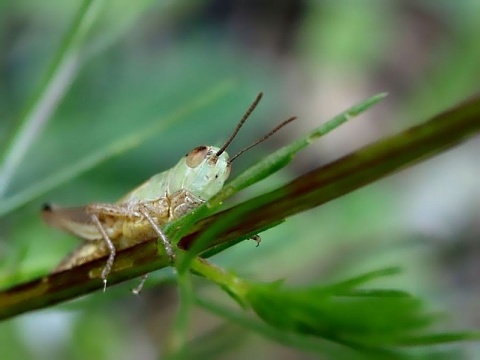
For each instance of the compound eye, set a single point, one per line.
(196, 156)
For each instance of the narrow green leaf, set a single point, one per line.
(280, 158)
(439, 338)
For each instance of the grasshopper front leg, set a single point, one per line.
(145, 210)
(94, 211)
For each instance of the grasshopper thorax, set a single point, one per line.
(202, 172)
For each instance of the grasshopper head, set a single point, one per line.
(204, 171)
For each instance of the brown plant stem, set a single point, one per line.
(317, 187)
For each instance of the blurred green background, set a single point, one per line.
(143, 61)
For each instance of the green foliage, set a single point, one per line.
(344, 313)
(375, 320)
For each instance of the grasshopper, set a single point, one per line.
(140, 214)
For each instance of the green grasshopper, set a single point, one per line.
(140, 215)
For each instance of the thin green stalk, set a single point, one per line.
(283, 156)
(178, 337)
(58, 78)
(236, 286)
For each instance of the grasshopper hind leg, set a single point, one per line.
(111, 257)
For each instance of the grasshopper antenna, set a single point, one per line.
(240, 124)
(278, 127)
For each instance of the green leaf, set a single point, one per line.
(281, 157)
(371, 318)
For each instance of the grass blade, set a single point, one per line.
(58, 78)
